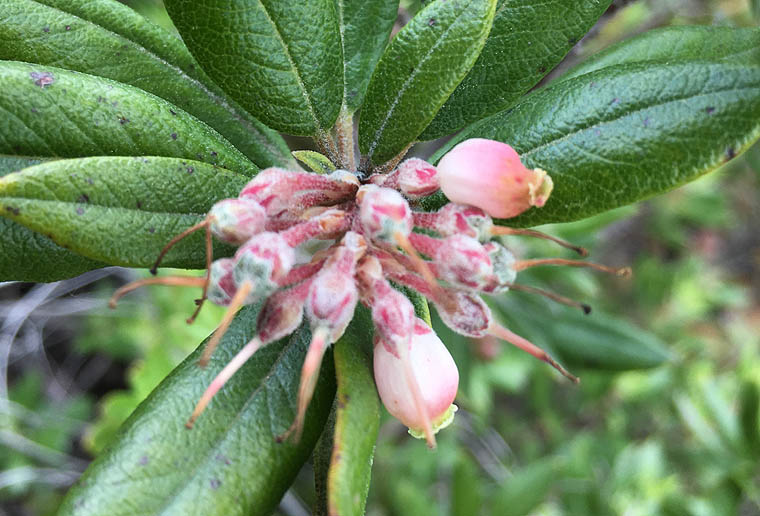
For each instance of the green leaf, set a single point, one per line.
(29, 256)
(281, 60)
(749, 416)
(625, 133)
(315, 161)
(420, 68)
(365, 28)
(466, 488)
(357, 420)
(594, 341)
(522, 492)
(10, 164)
(47, 111)
(527, 40)
(229, 463)
(73, 34)
(119, 210)
(678, 44)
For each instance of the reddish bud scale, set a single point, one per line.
(221, 282)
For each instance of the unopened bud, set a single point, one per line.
(264, 261)
(384, 214)
(432, 369)
(465, 262)
(488, 174)
(236, 220)
(414, 178)
(221, 287)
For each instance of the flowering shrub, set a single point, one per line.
(123, 144)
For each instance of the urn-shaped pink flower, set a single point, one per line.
(434, 371)
(489, 175)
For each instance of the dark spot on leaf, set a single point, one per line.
(123, 120)
(214, 154)
(411, 69)
(45, 29)
(190, 170)
(42, 79)
(199, 156)
(118, 54)
(89, 180)
(101, 99)
(709, 110)
(646, 122)
(431, 22)
(84, 198)
(597, 132)
(143, 460)
(615, 101)
(730, 153)
(542, 69)
(151, 230)
(114, 104)
(34, 110)
(68, 27)
(222, 458)
(173, 112)
(215, 483)
(174, 136)
(80, 210)
(591, 84)
(572, 41)
(139, 205)
(13, 209)
(336, 458)
(341, 404)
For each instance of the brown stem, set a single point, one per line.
(176, 281)
(204, 294)
(174, 240)
(237, 301)
(502, 230)
(526, 264)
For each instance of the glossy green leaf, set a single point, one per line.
(119, 210)
(527, 40)
(69, 35)
(315, 161)
(47, 111)
(229, 463)
(357, 420)
(625, 133)
(282, 61)
(522, 492)
(420, 68)
(678, 44)
(29, 256)
(365, 29)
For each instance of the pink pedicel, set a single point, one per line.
(489, 175)
(373, 241)
(435, 373)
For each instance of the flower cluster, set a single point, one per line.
(373, 239)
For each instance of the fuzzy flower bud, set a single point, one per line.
(435, 373)
(236, 220)
(263, 261)
(489, 175)
(414, 178)
(383, 214)
(465, 262)
(221, 286)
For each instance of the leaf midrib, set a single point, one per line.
(224, 434)
(216, 99)
(407, 83)
(618, 116)
(294, 68)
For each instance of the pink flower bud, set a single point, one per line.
(435, 373)
(466, 314)
(383, 214)
(465, 262)
(236, 220)
(489, 175)
(221, 286)
(414, 177)
(264, 261)
(333, 294)
(502, 262)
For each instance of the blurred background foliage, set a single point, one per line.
(665, 421)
